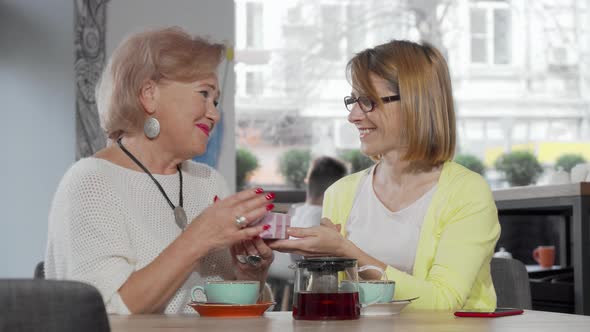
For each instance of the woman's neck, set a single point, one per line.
(151, 154)
(393, 171)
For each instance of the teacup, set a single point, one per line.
(232, 291)
(376, 291)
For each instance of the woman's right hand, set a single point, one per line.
(216, 227)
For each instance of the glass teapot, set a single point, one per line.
(326, 288)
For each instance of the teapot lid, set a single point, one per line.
(326, 264)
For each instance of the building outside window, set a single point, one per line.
(290, 70)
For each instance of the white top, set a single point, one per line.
(107, 221)
(391, 237)
(307, 215)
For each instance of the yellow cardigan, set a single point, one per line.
(457, 240)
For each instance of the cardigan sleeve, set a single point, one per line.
(468, 232)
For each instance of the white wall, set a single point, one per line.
(207, 18)
(37, 123)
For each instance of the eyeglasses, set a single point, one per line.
(366, 104)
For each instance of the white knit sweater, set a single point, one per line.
(107, 221)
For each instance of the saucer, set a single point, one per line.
(230, 310)
(384, 309)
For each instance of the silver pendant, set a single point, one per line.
(180, 217)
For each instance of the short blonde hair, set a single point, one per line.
(419, 74)
(168, 53)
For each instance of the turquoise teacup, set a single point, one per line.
(376, 291)
(231, 291)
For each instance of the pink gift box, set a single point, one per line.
(278, 223)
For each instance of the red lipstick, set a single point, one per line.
(204, 128)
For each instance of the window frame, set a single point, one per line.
(490, 7)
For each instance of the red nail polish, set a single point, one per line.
(266, 227)
(270, 196)
(259, 190)
(270, 207)
(215, 199)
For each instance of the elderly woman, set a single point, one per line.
(428, 222)
(139, 220)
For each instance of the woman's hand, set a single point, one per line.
(323, 240)
(249, 270)
(217, 227)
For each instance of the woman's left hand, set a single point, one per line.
(250, 270)
(323, 240)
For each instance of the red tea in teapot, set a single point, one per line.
(326, 306)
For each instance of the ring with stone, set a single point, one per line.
(241, 221)
(253, 260)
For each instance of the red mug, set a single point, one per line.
(544, 255)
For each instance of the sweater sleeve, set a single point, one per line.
(88, 238)
(467, 236)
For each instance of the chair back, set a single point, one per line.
(511, 281)
(51, 306)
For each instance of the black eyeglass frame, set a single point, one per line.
(350, 100)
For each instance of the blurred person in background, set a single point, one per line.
(322, 173)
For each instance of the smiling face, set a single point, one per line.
(379, 129)
(187, 113)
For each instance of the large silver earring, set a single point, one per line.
(151, 128)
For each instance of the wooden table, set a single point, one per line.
(534, 321)
(571, 201)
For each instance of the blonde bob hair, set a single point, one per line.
(160, 54)
(419, 74)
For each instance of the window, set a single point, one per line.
(562, 130)
(331, 26)
(539, 130)
(494, 130)
(474, 129)
(254, 83)
(490, 30)
(355, 19)
(520, 131)
(254, 30)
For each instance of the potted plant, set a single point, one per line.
(293, 165)
(520, 168)
(246, 163)
(471, 162)
(568, 161)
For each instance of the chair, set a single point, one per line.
(40, 271)
(511, 282)
(51, 306)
